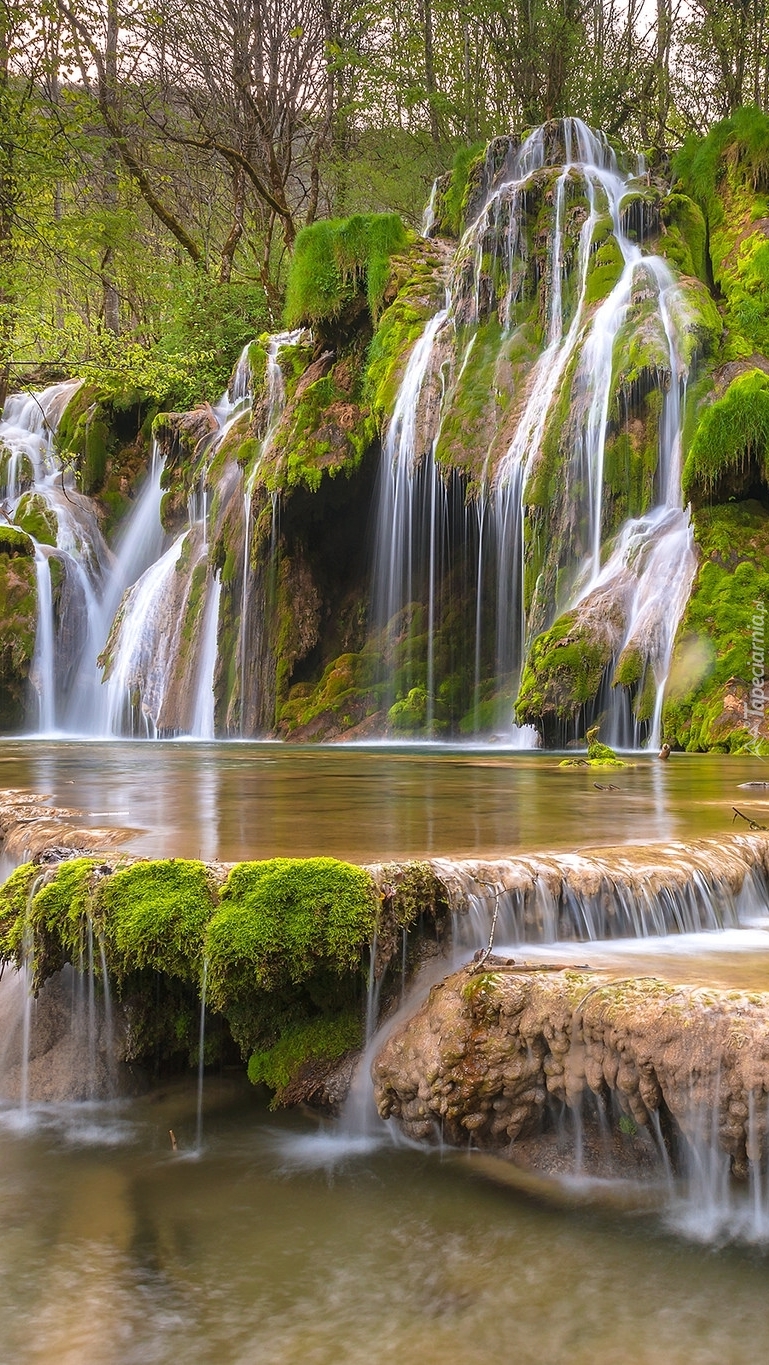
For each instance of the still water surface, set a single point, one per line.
(235, 801)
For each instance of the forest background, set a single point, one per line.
(159, 157)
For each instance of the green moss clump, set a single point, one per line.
(408, 715)
(321, 1039)
(156, 915)
(606, 264)
(35, 516)
(345, 693)
(281, 921)
(731, 443)
(335, 258)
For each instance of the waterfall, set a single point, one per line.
(203, 722)
(137, 672)
(647, 575)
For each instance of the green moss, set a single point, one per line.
(345, 691)
(408, 715)
(156, 915)
(18, 628)
(280, 921)
(453, 200)
(35, 516)
(606, 264)
(336, 257)
(14, 542)
(684, 235)
(712, 671)
(321, 1039)
(563, 671)
(326, 431)
(730, 448)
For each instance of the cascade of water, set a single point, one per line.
(144, 647)
(399, 523)
(428, 217)
(26, 1038)
(276, 402)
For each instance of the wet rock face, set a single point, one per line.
(490, 1050)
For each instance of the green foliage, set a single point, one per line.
(731, 442)
(323, 1039)
(336, 257)
(206, 332)
(156, 915)
(279, 921)
(14, 903)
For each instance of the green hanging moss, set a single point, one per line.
(336, 257)
(324, 1039)
(156, 915)
(730, 447)
(684, 235)
(279, 921)
(452, 203)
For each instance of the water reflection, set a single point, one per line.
(261, 800)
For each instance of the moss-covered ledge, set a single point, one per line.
(281, 947)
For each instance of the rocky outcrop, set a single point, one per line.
(491, 1051)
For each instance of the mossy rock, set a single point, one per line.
(683, 240)
(18, 625)
(563, 671)
(37, 518)
(15, 542)
(729, 454)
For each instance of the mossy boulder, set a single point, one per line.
(563, 671)
(282, 942)
(35, 515)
